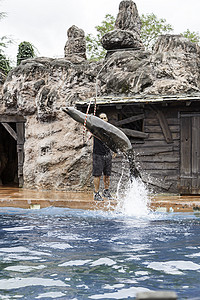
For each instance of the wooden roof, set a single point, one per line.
(137, 99)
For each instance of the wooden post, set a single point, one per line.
(20, 151)
(164, 126)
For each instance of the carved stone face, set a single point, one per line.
(103, 117)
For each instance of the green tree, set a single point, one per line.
(25, 51)
(95, 51)
(192, 36)
(2, 39)
(4, 64)
(151, 28)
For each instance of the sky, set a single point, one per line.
(44, 23)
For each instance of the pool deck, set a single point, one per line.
(33, 199)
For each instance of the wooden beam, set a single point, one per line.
(134, 133)
(10, 130)
(148, 151)
(20, 133)
(11, 119)
(164, 126)
(129, 120)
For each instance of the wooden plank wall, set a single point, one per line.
(157, 158)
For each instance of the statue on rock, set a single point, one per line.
(75, 47)
(126, 34)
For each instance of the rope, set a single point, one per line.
(95, 101)
(85, 121)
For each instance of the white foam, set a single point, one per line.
(112, 287)
(83, 286)
(14, 250)
(16, 283)
(24, 228)
(24, 268)
(141, 273)
(193, 255)
(121, 270)
(57, 245)
(69, 237)
(131, 281)
(11, 257)
(74, 263)
(121, 294)
(174, 267)
(136, 201)
(103, 261)
(3, 297)
(22, 250)
(53, 295)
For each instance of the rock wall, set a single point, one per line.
(55, 155)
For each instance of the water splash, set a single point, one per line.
(136, 200)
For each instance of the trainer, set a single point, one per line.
(102, 164)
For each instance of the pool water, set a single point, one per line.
(58, 253)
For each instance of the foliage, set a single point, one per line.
(25, 51)
(4, 64)
(95, 51)
(2, 15)
(192, 36)
(151, 28)
(4, 41)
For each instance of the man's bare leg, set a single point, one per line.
(106, 180)
(96, 183)
(106, 192)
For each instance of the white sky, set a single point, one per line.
(44, 23)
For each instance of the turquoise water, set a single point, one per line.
(59, 253)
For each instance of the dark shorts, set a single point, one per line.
(102, 164)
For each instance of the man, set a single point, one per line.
(102, 163)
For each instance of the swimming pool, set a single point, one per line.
(56, 253)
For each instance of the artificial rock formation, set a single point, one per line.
(75, 47)
(172, 68)
(55, 155)
(126, 33)
(54, 149)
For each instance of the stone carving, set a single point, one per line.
(75, 47)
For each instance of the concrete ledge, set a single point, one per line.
(33, 199)
(158, 295)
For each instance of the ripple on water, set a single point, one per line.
(76, 254)
(20, 282)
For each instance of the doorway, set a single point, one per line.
(8, 157)
(11, 150)
(190, 153)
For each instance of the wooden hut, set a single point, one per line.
(165, 134)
